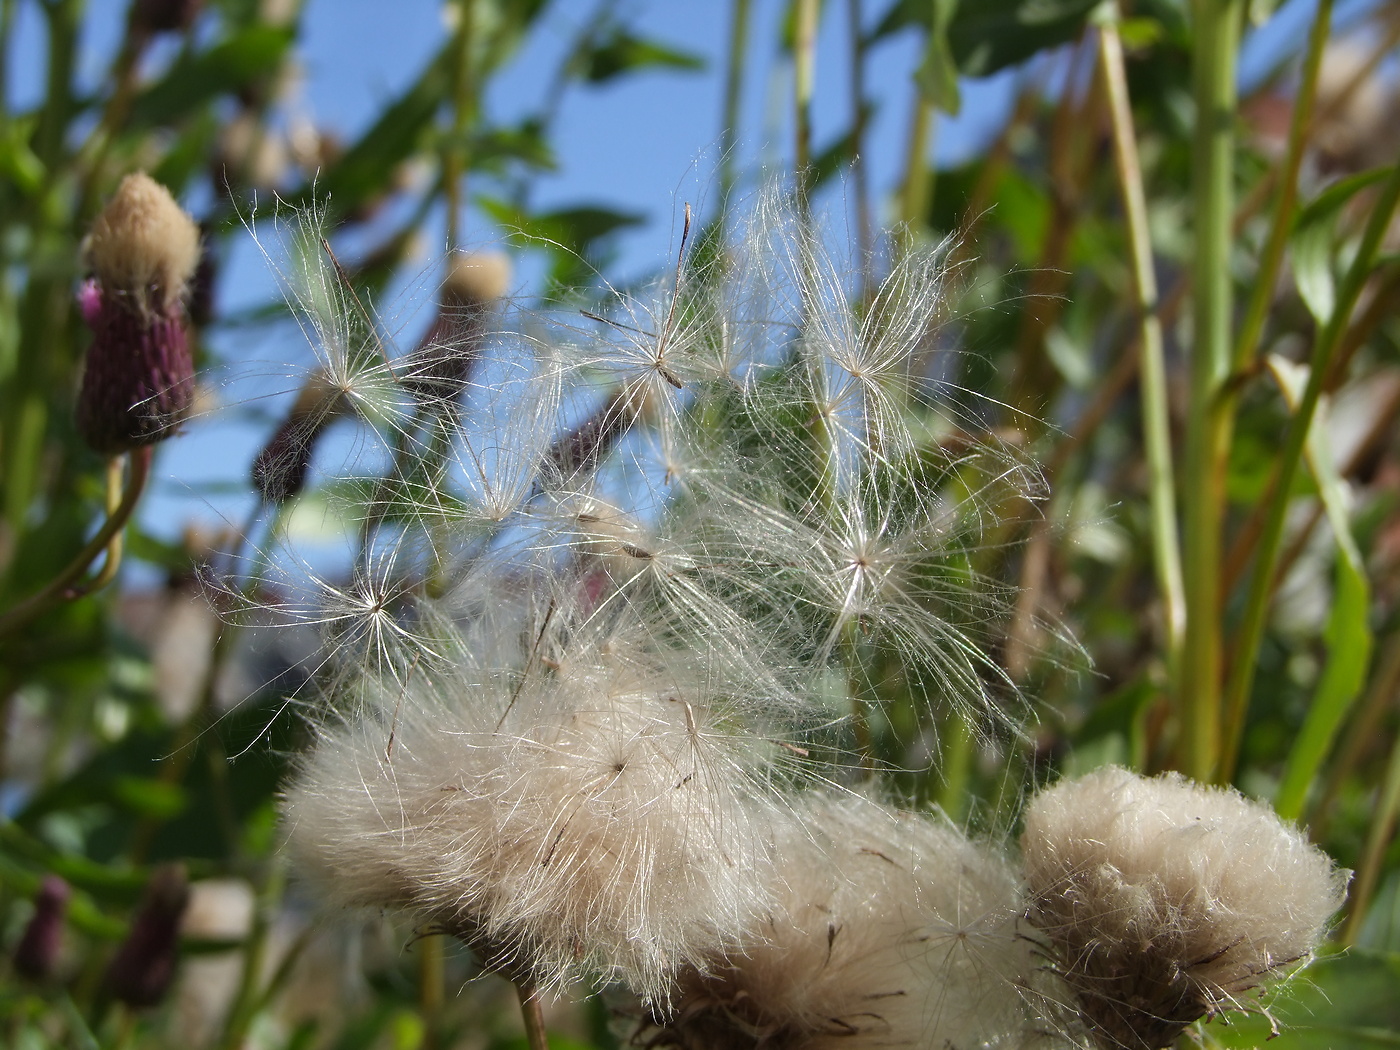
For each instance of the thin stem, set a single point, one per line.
(914, 195)
(1251, 632)
(858, 174)
(1209, 422)
(1382, 830)
(733, 89)
(60, 588)
(1266, 277)
(532, 1013)
(454, 157)
(1156, 423)
(804, 77)
(113, 559)
(431, 978)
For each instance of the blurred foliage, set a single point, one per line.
(121, 747)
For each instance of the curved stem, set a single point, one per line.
(532, 1013)
(61, 588)
(1267, 276)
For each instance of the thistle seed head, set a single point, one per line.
(143, 246)
(1162, 901)
(888, 929)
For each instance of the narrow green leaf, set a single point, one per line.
(937, 75)
(618, 52)
(1348, 631)
(1311, 245)
(224, 68)
(992, 34)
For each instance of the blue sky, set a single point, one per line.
(645, 143)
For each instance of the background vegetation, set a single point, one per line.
(1176, 298)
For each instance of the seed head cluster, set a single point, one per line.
(584, 697)
(1163, 901)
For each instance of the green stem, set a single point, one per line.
(1267, 276)
(60, 588)
(431, 979)
(1261, 582)
(1156, 423)
(804, 77)
(1209, 421)
(454, 158)
(914, 195)
(1372, 862)
(858, 179)
(733, 88)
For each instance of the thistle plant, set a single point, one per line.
(602, 696)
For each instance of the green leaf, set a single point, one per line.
(367, 168)
(937, 75)
(1348, 630)
(198, 78)
(1340, 1002)
(149, 797)
(575, 236)
(989, 35)
(18, 163)
(1314, 231)
(616, 52)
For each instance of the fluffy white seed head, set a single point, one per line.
(1162, 901)
(143, 244)
(588, 824)
(889, 929)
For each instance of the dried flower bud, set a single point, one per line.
(141, 971)
(441, 365)
(38, 948)
(163, 16)
(1163, 901)
(138, 382)
(279, 469)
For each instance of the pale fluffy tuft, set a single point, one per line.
(476, 278)
(890, 929)
(604, 830)
(144, 244)
(1163, 901)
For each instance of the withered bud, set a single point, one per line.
(144, 966)
(163, 16)
(138, 382)
(441, 365)
(39, 946)
(279, 469)
(580, 450)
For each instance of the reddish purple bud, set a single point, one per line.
(90, 301)
(138, 383)
(144, 966)
(38, 949)
(139, 378)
